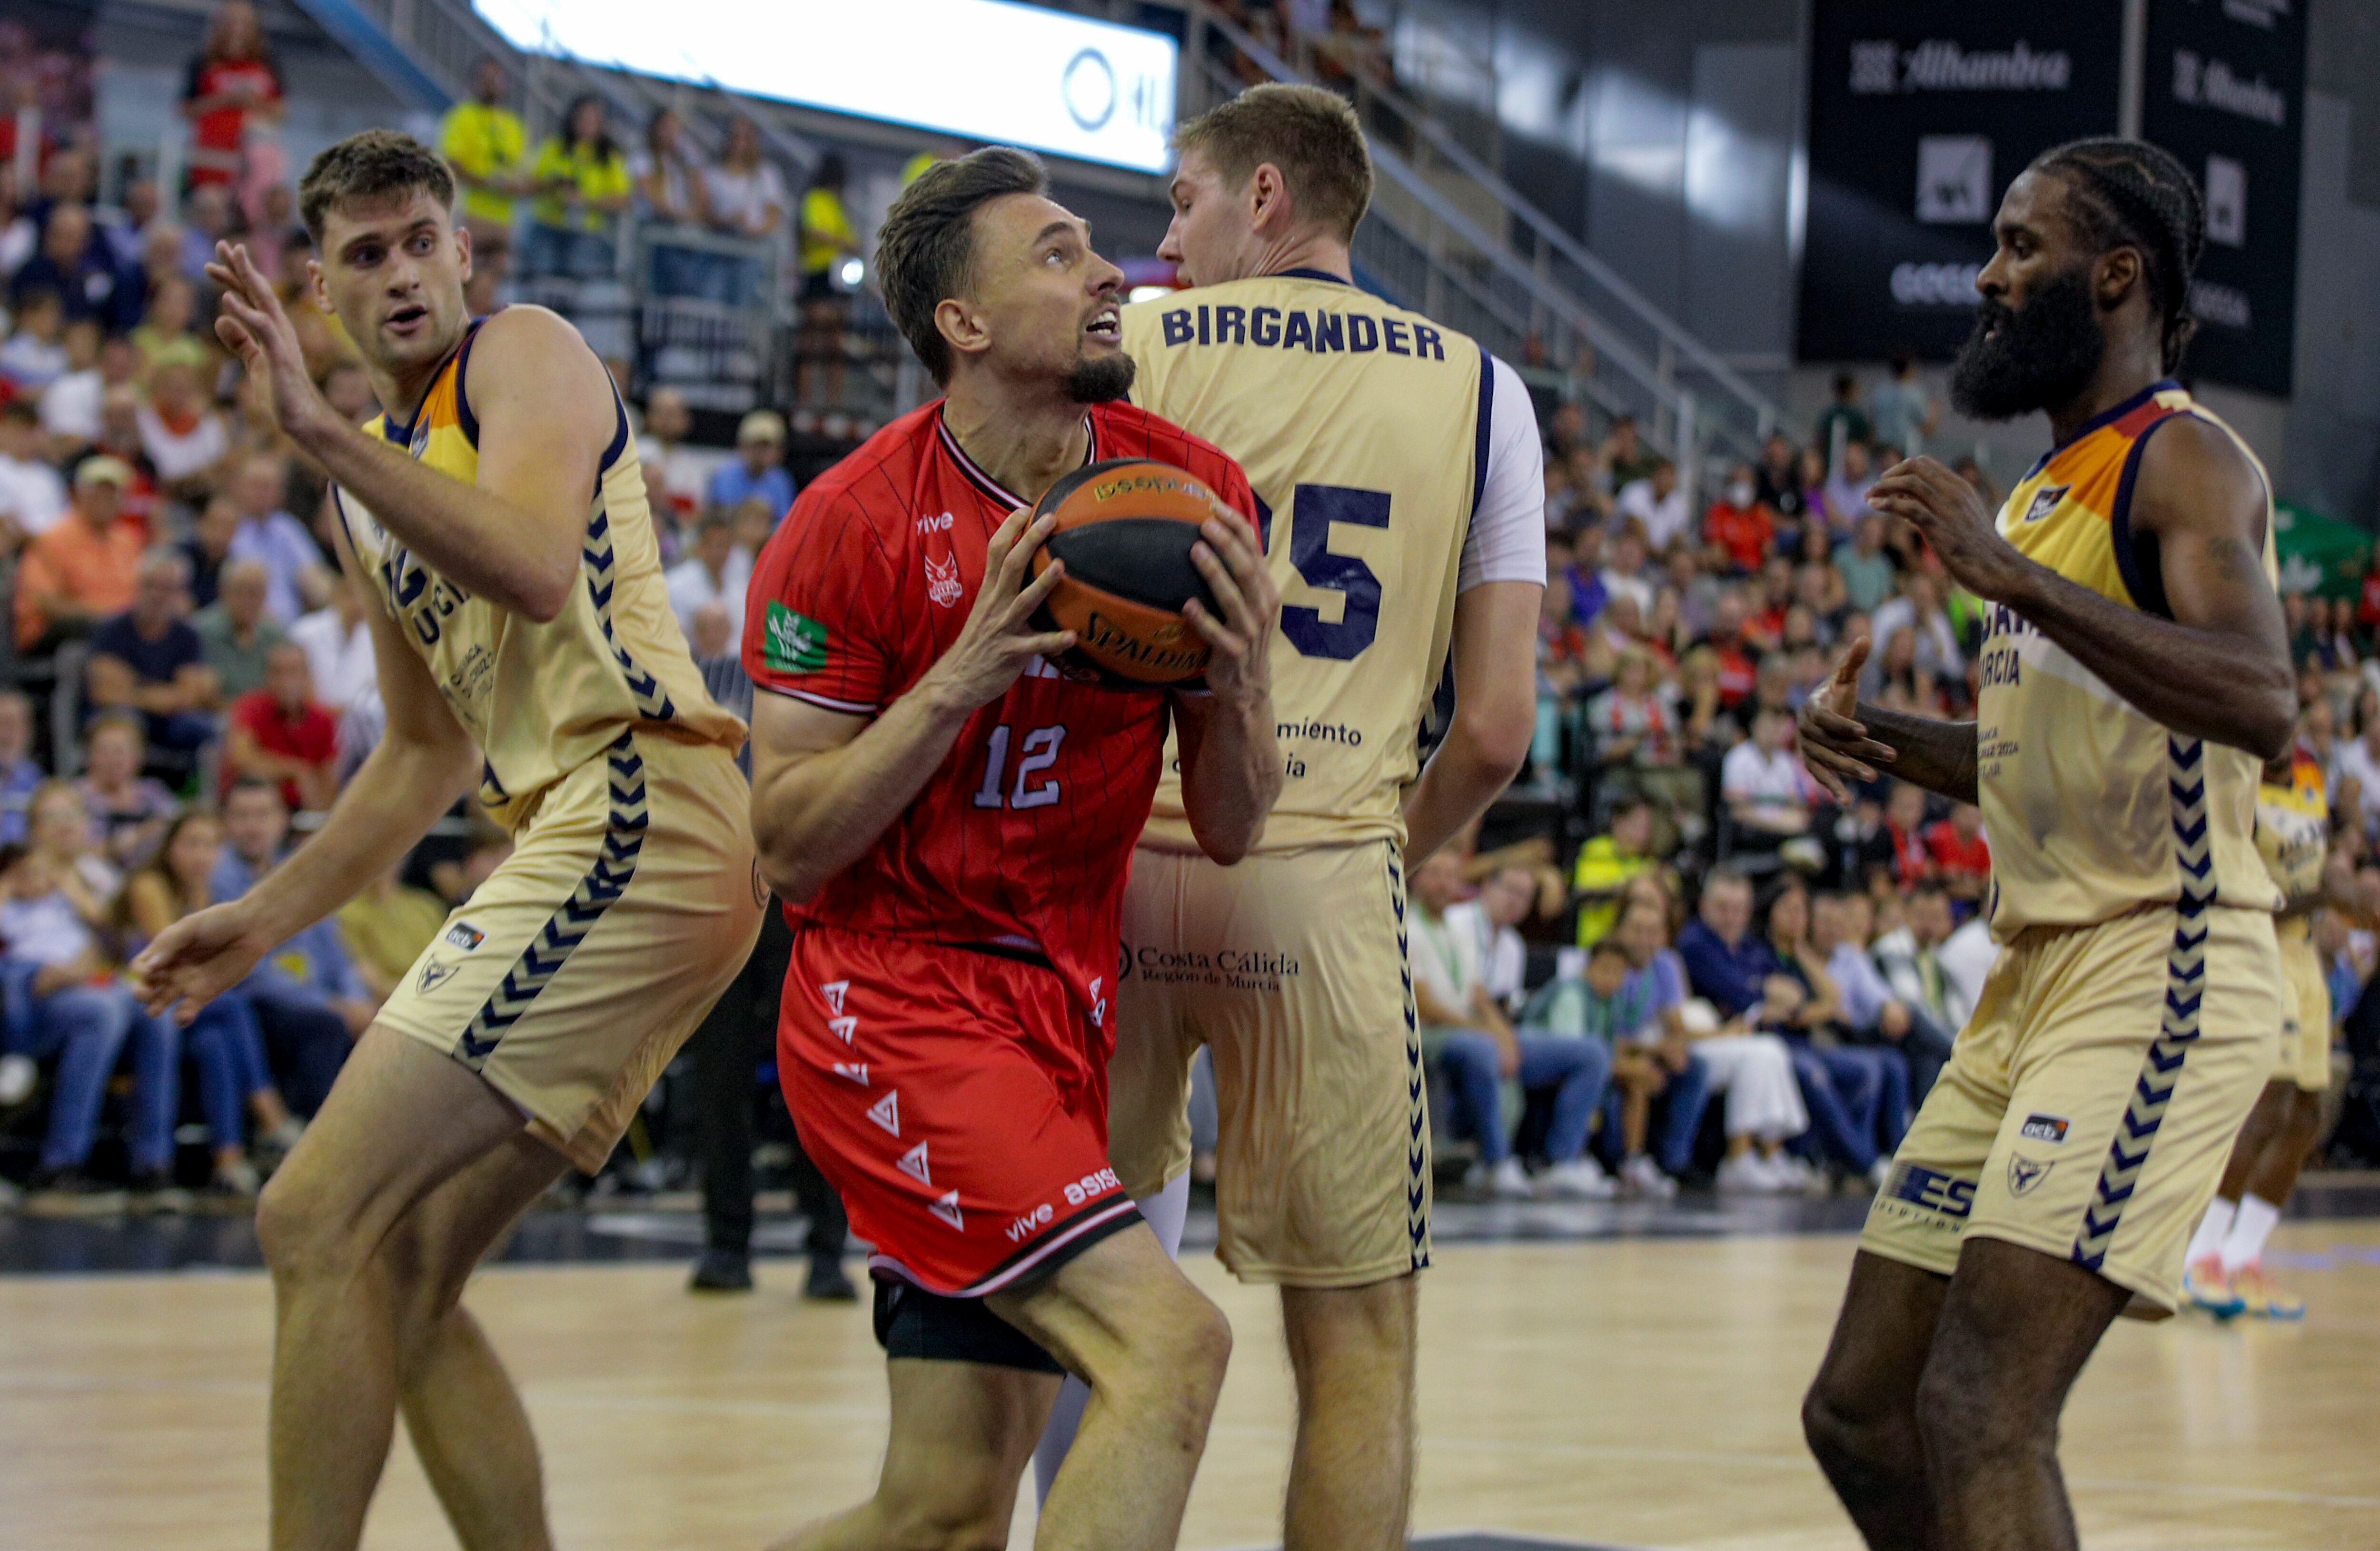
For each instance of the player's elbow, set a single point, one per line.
(540, 598)
(2269, 719)
(1494, 739)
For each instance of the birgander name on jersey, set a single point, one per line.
(1291, 329)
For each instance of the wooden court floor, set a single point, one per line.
(1636, 1393)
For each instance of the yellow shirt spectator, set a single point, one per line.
(826, 231)
(483, 142)
(1603, 876)
(600, 182)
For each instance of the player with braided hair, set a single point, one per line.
(2134, 678)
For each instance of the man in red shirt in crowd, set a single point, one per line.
(279, 734)
(1962, 860)
(1738, 521)
(947, 814)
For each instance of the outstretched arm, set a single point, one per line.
(2219, 667)
(546, 416)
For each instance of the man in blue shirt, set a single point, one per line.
(150, 660)
(759, 470)
(1727, 963)
(311, 1001)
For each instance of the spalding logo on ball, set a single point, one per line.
(1125, 527)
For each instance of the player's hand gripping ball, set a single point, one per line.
(1125, 527)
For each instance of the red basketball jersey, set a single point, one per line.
(1021, 839)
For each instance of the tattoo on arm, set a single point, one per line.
(1938, 756)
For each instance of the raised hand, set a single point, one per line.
(1835, 745)
(1946, 509)
(998, 640)
(250, 322)
(196, 960)
(1239, 668)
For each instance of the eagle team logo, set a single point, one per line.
(942, 583)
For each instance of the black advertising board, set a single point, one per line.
(1921, 114)
(2225, 91)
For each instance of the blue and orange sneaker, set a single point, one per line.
(2261, 1299)
(2205, 1287)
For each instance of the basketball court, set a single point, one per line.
(1591, 1375)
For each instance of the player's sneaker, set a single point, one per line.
(2205, 1287)
(1641, 1176)
(2259, 1299)
(1506, 1178)
(1581, 1179)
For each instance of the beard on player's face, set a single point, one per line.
(2035, 356)
(1101, 379)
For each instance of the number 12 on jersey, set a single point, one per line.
(1036, 754)
(1312, 510)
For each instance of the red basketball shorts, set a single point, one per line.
(958, 1101)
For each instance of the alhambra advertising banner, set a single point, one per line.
(1921, 112)
(2226, 93)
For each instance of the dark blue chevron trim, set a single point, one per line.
(1416, 1087)
(2128, 1152)
(614, 870)
(652, 701)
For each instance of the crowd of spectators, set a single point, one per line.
(1731, 975)
(187, 678)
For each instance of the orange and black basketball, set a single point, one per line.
(1124, 530)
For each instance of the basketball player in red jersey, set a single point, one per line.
(948, 817)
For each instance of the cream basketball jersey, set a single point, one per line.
(2293, 830)
(542, 699)
(1363, 429)
(2093, 809)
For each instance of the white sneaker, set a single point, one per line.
(1510, 1180)
(1793, 1174)
(1581, 1179)
(16, 1077)
(1879, 1171)
(1747, 1174)
(1642, 1176)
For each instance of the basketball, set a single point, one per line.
(1124, 530)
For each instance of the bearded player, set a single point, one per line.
(2134, 678)
(948, 816)
(1401, 477)
(525, 646)
(2226, 1275)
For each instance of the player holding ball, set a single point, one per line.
(945, 795)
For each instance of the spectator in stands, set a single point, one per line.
(1658, 502)
(224, 1043)
(582, 185)
(129, 811)
(386, 926)
(20, 777)
(1866, 565)
(166, 333)
(119, 438)
(487, 145)
(150, 660)
(1638, 744)
(1607, 1007)
(1624, 574)
(670, 173)
(1841, 927)
(715, 573)
(338, 646)
(1857, 1096)
(1624, 455)
(36, 355)
(70, 406)
(1768, 795)
(743, 192)
(233, 85)
(310, 1004)
(54, 899)
(1854, 474)
(1753, 1072)
(84, 568)
(1608, 864)
(296, 579)
(206, 548)
(1841, 423)
(1468, 1034)
(1739, 524)
(1776, 482)
(32, 494)
(235, 634)
(1909, 956)
(183, 437)
(279, 734)
(1902, 412)
(828, 240)
(1962, 859)
(79, 266)
(672, 472)
(1934, 640)
(759, 468)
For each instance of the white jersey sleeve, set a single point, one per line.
(1507, 540)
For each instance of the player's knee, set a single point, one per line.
(1963, 1413)
(1840, 1425)
(1177, 1353)
(302, 1230)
